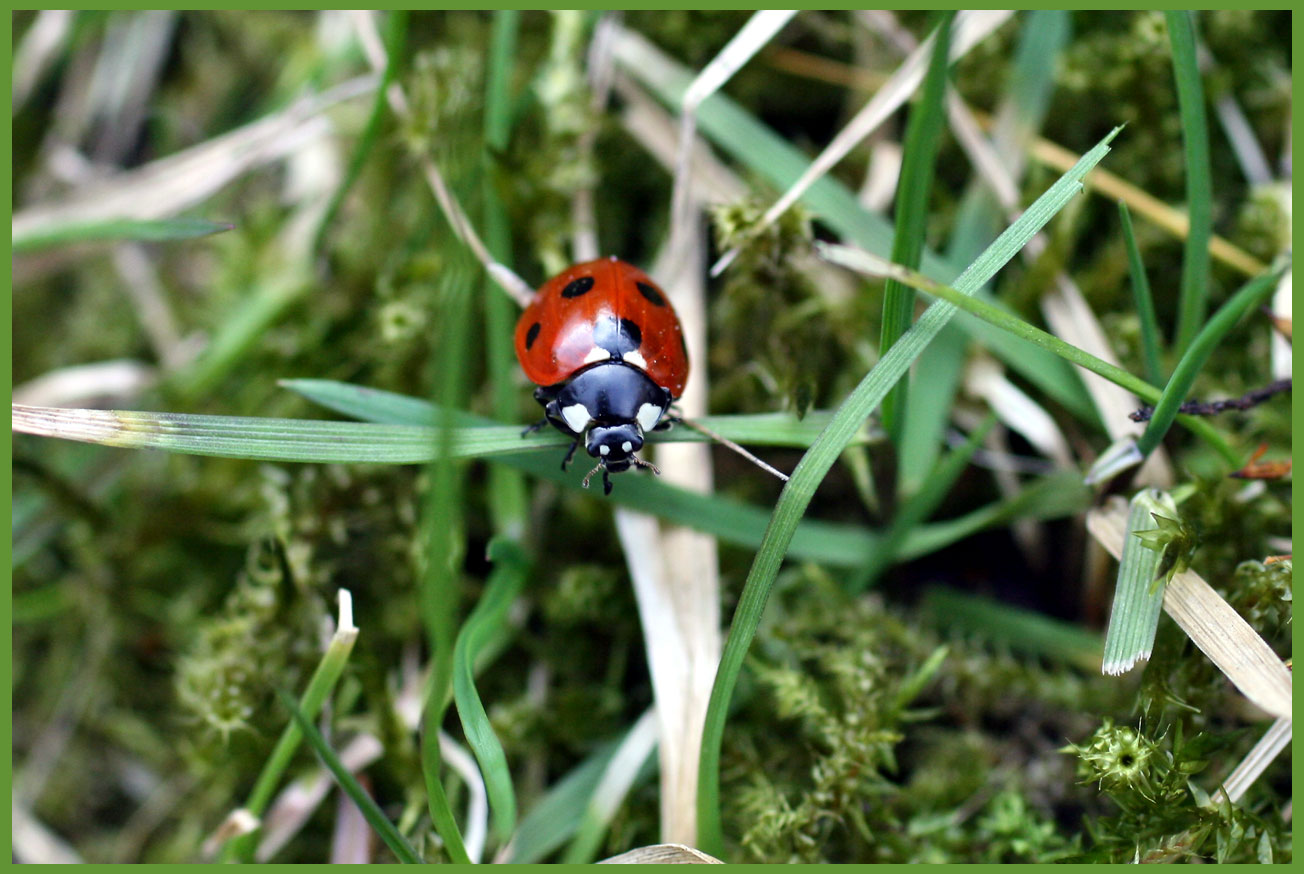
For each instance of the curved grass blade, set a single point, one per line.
(438, 590)
(115, 230)
(511, 567)
(378, 821)
(1250, 295)
(923, 133)
(817, 461)
(1199, 185)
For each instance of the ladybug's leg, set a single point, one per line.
(570, 453)
(530, 429)
(669, 420)
(606, 481)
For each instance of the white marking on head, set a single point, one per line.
(597, 354)
(635, 359)
(648, 416)
(576, 417)
(604, 449)
(627, 446)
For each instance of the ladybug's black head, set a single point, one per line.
(614, 444)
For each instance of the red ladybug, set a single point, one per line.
(607, 352)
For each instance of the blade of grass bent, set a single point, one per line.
(923, 133)
(438, 589)
(815, 464)
(1250, 295)
(1199, 194)
(375, 818)
(505, 583)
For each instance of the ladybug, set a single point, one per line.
(606, 349)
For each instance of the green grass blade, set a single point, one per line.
(320, 685)
(498, 81)
(438, 592)
(116, 230)
(508, 499)
(554, 818)
(979, 219)
(777, 161)
(377, 405)
(511, 567)
(627, 767)
(1051, 497)
(919, 506)
(351, 442)
(995, 316)
(923, 134)
(929, 412)
(1199, 187)
(396, 38)
(1139, 590)
(815, 464)
(1021, 630)
(1250, 295)
(1145, 304)
(266, 439)
(233, 339)
(397, 844)
(441, 812)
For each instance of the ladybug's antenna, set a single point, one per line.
(641, 463)
(719, 438)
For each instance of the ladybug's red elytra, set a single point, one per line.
(605, 347)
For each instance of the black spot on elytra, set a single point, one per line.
(576, 287)
(650, 292)
(532, 334)
(617, 336)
